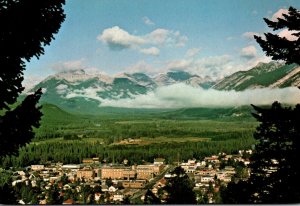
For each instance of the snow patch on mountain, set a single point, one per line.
(80, 75)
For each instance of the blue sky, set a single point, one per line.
(212, 37)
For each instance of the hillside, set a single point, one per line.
(54, 113)
(271, 75)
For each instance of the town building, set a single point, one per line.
(136, 184)
(86, 173)
(71, 166)
(159, 161)
(146, 172)
(88, 161)
(37, 167)
(114, 172)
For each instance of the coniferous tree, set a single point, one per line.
(7, 194)
(180, 188)
(16, 125)
(150, 198)
(275, 173)
(274, 167)
(274, 163)
(54, 196)
(26, 26)
(280, 48)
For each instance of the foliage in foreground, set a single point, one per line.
(281, 48)
(275, 173)
(31, 26)
(26, 27)
(180, 188)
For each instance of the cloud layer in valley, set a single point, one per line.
(185, 96)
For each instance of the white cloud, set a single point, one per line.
(150, 51)
(147, 21)
(61, 89)
(166, 37)
(141, 66)
(68, 65)
(90, 92)
(283, 33)
(279, 14)
(181, 96)
(248, 52)
(158, 36)
(179, 64)
(214, 61)
(214, 66)
(250, 35)
(118, 39)
(192, 52)
(288, 34)
(180, 40)
(229, 38)
(44, 90)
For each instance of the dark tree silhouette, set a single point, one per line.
(236, 193)
(274, 164)
(275, 173)
(280, 48)
(150, 198)
(180, 188)
(53, 195)
(26, 26)
(16, 125)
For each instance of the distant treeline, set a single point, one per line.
(75, 151)
(114, 130)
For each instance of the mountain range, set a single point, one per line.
(263, 75)
(77, 90)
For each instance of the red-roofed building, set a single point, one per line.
(69, 202)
